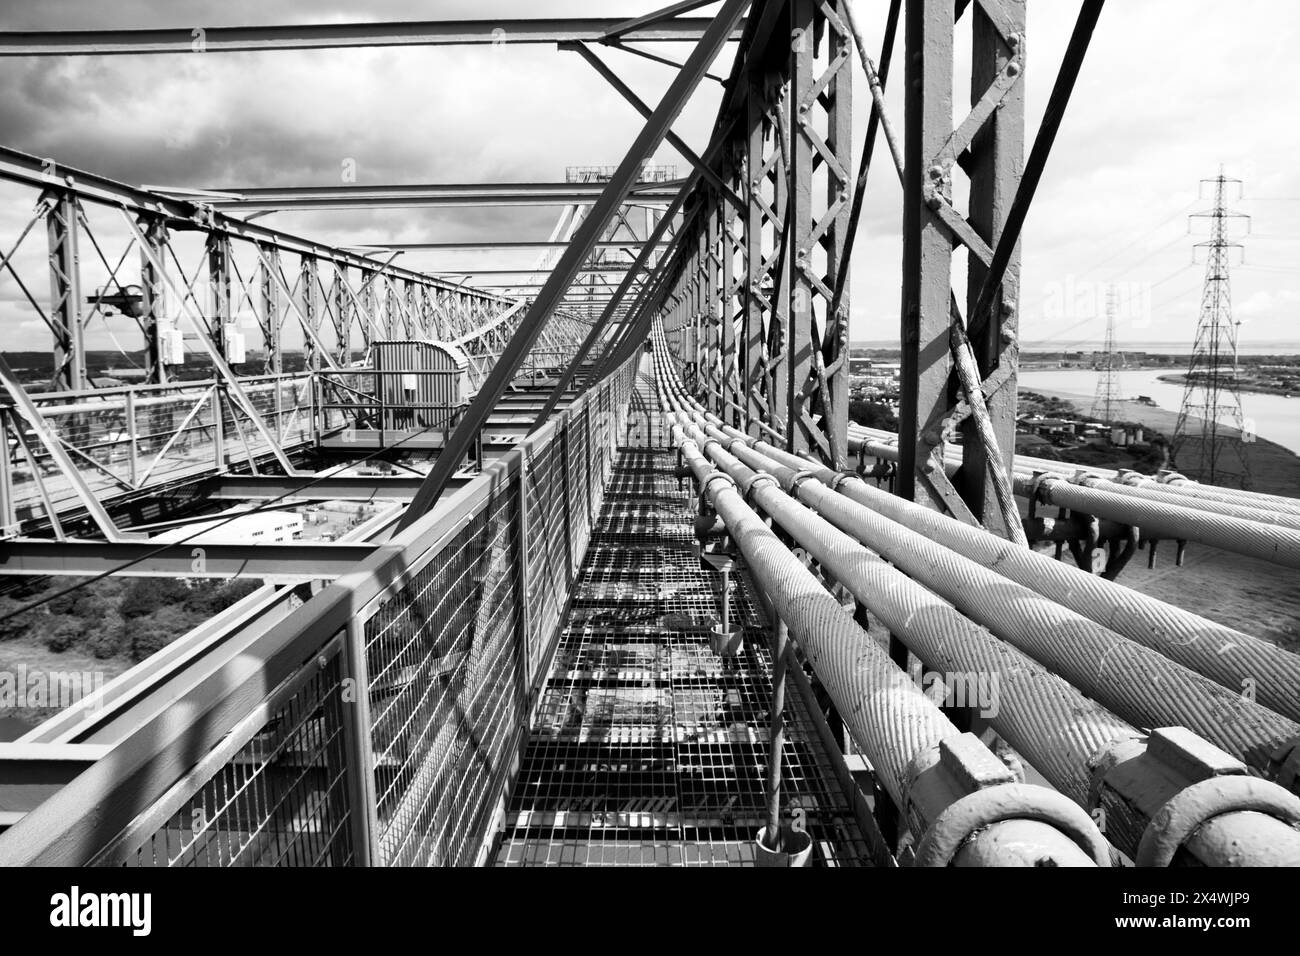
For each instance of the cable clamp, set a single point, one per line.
(747, 485)
(791, 485)
(710, 478)
(1035, 486)
(1194, 806)
(841, 477)
(960, 820)
(1134, 479)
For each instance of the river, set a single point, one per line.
(1276, 417)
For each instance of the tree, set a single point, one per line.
(207, 598)
(151, 633)
(12, 627)
(873, 415)
(61, 632)
(146, 595)
(234, 591)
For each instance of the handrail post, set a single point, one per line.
(364, 810)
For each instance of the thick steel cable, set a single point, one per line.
(1158, 519)
(1041, 715)
(1257, 499)
(1191, 493)
(890, 717)
(1233, 658)
(1157, 492)
(1137, 683)
(863, 574)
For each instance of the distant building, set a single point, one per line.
(1051, 427)
(263, 527)
(1124, 435)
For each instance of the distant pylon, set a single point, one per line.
(1103, 403)
(1201, 447)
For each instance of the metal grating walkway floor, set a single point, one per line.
(647, 748)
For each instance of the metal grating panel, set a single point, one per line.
(646, 747)
(282, 800)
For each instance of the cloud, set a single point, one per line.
(1162, 101)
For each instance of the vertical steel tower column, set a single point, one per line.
(342, 315)
(711, 313)
(65, 291)
(155, 298)
(222, 317)
(311, 314)
(735, 273)
(367, 307)
(271, 315)
(754, 337)
(988, 147)
(995, 158)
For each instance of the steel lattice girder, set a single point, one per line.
(249, 199)
(501, 244)
(795, 144)
(820, 124)
(766, 311)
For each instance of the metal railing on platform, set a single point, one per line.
(128, 439)
(378, 723)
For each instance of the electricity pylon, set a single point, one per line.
(1103, 403)
(1204, 446)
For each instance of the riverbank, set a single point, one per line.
(1180, 379)
(1274, 470)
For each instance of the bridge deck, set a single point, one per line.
(647, 748)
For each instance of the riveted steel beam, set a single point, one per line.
(278, 563)
(323, 36)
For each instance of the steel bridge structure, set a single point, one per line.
(642, 594)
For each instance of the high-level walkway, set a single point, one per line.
(647, 747)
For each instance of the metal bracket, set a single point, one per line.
(1177, 780)
(961, 787)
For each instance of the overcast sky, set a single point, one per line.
(1171, 89)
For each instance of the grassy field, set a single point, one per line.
(32, 654)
